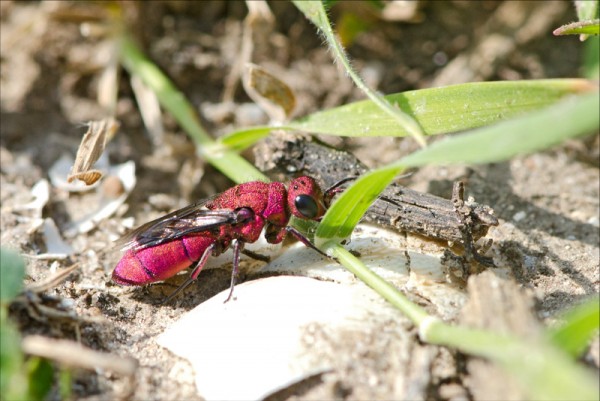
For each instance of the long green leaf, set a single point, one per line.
(569, 118)
(348, 209)
(580, 325)
(438, 110)
(246, 137)
(544, 372)
(12, 273)
(414, 312)
(589, 27)
(444, 110)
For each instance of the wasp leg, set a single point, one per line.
(257, 256)
(194, 275)
(238, 246)
(300, 237)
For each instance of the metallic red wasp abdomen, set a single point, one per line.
(138, 267)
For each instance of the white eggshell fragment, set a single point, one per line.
(253, 345)
(41, 195)
(56, 247)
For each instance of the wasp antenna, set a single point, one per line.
(335, 189)
(340, 183)
(403, 176)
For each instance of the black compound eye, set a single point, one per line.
(307, 206)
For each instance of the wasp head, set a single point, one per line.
(305, 198)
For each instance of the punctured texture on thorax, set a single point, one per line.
(267, 201)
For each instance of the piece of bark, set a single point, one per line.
(283, 155)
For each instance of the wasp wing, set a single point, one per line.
(186, 221)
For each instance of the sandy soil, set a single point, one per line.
(547, 203)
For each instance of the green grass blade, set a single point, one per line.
(244, 138)
(315, 12)
(438, 110)
(13, 382)
(348, 209)
(544, 372)
(569, 118)
(591, 58)
(536, 131)
(40, 377)
(579, 28)
(444, 110)
(580, 325)
(225, 160)
(12, 273)
(373, 280)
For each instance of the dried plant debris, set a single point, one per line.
(60, 171)
(272, 94)
(258, 29)
(91, 148)
(53, 280)
(52, 309)
(56, 247)
(72, 354)
(553, 250)
(149, 107)
(118, 184)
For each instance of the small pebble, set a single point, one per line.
(519, 216)
(112, 187)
